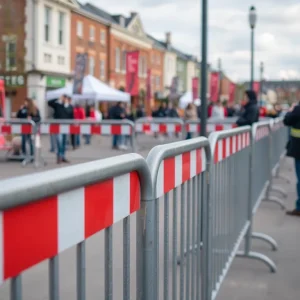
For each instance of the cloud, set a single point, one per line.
(277, 41)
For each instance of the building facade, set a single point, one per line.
(181, 71)
(90, 34)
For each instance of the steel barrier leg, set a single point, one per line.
(266, 238)
(275, 200)
(258, 256)
(285, 178)
(279, 190)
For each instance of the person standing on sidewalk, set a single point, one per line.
(70, 111)
(250, 111)
(60, 113)
(292, 119)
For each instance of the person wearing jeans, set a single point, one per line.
(60, 107)
(292, 119)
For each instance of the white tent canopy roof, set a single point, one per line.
(187, 98)
(93, 89)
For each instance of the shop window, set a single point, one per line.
(61, 25)
(11, 55)
(47, 31)
(79, 29)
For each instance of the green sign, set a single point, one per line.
(55, 82)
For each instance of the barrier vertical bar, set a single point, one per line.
(174, 258)
(54, 278)
(81, 268)
(16, 288)
(126, 258)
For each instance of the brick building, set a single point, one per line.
(126, 34)
(90, 34)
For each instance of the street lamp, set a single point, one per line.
(252, 23)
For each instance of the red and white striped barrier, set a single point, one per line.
(176, 170)
(230, 145)
(196, 128)
(262, 132)
(10, 128)
(40, 230)
(158, 128)
(93, 129)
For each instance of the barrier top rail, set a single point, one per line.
(277, 124)
(16, 126)
(161, 125)
(173, 164)
(225, 143)
(47, 213)
(104, 127)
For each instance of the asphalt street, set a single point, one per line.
(247, 279)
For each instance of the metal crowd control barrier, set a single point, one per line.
(24, 128)
(193, 126)
(231, 204)
(177, 171)
(277, 140)
(42, 216)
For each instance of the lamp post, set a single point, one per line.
(203, 97)
(252, 23)
(261, 69)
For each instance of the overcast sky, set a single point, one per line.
(277, 31)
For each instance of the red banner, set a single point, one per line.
(132, 73)
(148, 86)
(231, 92)
(195, 88)
(2, 99)
(256, 87)
(214, 86)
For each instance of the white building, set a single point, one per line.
(170, 64)
(48, 42)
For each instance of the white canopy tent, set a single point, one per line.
(93, 89)
(187, 98)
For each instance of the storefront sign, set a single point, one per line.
(55, 82)
(132, 77)
(13, 80)
(214, 86)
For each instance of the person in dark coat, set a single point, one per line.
(172, 112)
(250, 113)
(28, 111)
(292, 119)
(140, 112)
(60, 113)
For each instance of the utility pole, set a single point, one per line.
(220, 77)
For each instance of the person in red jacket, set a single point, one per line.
(79, 114)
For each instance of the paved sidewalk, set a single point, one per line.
(251, 280)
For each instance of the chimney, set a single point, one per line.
(168, 38)
(133, 14)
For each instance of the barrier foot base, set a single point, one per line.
(275, 200)
(258, 256)
(265, 238)
(279, 190)
(285, 178)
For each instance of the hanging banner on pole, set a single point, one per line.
(214, 86)
(256, 87)
(148, 86)
(80, 65)
(132, 73)
(231, 92)
(2, 99)
(195, 88)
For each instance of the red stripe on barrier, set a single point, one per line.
(224, 148)
(6, 129)
(26, 128)
(169, 174)
(116, 129)
(135, 192)
(30, 235)
(98, 207)
(54, 129)
(199, 166)
(74, 129)
(162, 128)
(177, 128)
(219, 127)
(186, 166)
(95, 129)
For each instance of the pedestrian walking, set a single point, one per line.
(28, 111)
(292, 119)
(218, 111)
(250, 111)
(190, 114)
(79, 114)
(60, 113)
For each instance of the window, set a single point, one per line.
(47, 24)
(61, 24)
(157, 81)
(143, 67)
(47, 58)
(91, 65)
(11, 55)
(79, 29)
(102, 69)
(60, 60)
(102, 37)
(158, 59)
(92, 33)
(124, 56)
(117, 58)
